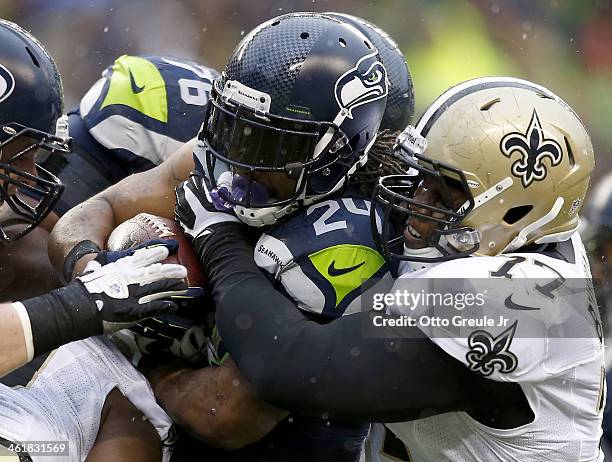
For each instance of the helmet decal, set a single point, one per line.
(357, 87)
(533, 148)
(488, 354)
(7, 83)
(400, 99)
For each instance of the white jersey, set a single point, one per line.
(562, 377)
(64, 399)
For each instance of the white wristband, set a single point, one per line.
(26, 327)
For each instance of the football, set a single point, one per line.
(144, 227)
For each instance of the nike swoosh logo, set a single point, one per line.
(135, 88)
(333, 271)
(515, 306)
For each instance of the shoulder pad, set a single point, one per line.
(323, 255)
(147, 106)
(325, 224)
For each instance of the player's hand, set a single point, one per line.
(104, 257)
(134, 287)
(171, 334)
(195, 210)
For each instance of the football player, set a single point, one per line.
(140, 112)
(320, 266)
(159, 115)
(499, 170)
(160, 102)
(102, 300)
(338, 151)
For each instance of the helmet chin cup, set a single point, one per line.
(462, 240)
(258, 217)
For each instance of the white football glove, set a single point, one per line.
(134, 287)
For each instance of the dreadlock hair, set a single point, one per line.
(381, 162)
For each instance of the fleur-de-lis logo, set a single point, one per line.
(533, 148)
(488, 353)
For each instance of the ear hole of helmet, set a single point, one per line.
(517, 213)
(34, 60)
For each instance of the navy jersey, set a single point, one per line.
(132, 119)
(322, 257)
(147, 106)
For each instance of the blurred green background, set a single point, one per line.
(562, 44)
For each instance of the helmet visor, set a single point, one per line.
(271, 152)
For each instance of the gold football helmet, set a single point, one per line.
(520, 155)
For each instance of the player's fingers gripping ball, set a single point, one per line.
(174, 333)
(134, 287)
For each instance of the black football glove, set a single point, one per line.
(194, 209)
(107, 298)
(136, 286)
(170, 334)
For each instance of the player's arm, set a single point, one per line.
(151, 191)
(13, 351)
(124, 434)
(303, 366)
(103, 300)
(214, 404)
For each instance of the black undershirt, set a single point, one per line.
(330, 369)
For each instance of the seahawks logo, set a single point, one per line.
(362, 84)
(533, 149)
(488, 353)
(7, 83)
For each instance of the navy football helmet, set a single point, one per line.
(31, 103)
(400, 100)
(292, 116)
